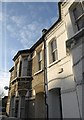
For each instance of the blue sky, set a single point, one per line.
(21, 25)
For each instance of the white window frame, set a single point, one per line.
(53, 55)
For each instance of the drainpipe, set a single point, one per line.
(45, 72)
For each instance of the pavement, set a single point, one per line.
(8, 118)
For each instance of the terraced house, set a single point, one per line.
(26, 90)
(47, 79)
(64, 49)
(20, 83)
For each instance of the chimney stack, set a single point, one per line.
(44, 31)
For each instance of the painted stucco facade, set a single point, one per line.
(60, 72)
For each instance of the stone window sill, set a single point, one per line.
(38, 72)
(55, 62)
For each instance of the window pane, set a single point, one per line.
(53, 45)
(54, 56)
(40, 60)
(78, 11)
(40, 65)
(78, 15)
(20, 68)
(25, 62)
(29, 70)
(17, 70)
(80, 23)
(24, 67)
(40, 56)
(75, 13)
(83, 5)
(53, 50)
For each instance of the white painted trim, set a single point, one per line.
(55, 62)
(38, 72)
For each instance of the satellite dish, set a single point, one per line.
(6, 87)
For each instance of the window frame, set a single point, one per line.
(24, 68)
(53, 54)
(75, 17)
(39, 60)
(17, 69)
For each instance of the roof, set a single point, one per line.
(21, 52)
(28, 50)
(36, 44)
(11, 69)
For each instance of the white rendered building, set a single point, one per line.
(64, 95)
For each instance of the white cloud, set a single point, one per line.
(30, 33)
(12, 30)
(25, 33)
(4, 81)
(18, 20)
(25, 30)
(25, 37)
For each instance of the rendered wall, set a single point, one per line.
(64, 79)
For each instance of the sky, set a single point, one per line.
(21, 25)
